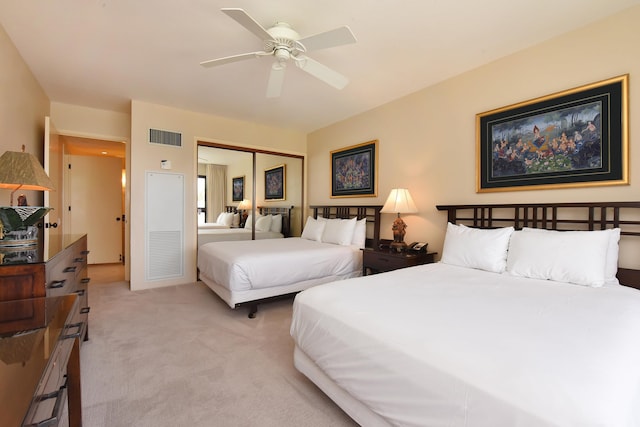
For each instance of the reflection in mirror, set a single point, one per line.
(230, 208)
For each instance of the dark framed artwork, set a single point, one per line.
(237, 188)
(275, 183)
(575, 138)
(354, 171)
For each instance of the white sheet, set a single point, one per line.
(261, 264)
(212, 226)
(233, 234)
(442, 345)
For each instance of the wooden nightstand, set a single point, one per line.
(378, 261)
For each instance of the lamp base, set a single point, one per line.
(398, 246)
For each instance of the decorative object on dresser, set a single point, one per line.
(399, 201)
(21, 170)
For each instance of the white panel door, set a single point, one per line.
(52, 199)
(96, 205)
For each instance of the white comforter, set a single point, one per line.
(439, 345)
(260, 264)
(233, 234)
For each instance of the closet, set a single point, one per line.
(229, 174)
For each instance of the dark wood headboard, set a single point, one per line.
(371, 213)
(555, 216)
(285, 211)
(286, 216)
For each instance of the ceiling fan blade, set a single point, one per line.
(322, 72)
(337, 37)
(228, 59)
(276, 80)
(243, 18)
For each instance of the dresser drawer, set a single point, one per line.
(51, 394)
(383, 262)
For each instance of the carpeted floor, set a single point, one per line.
(179, 356)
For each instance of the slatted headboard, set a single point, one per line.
(371, 213)
(286, 216)
(272, 210)
(555, 216)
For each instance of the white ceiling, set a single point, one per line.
(104, 53)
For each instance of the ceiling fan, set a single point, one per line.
(286, 45)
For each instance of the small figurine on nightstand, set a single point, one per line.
(399, 230)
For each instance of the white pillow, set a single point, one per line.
(263, 223)
(360, 233)
(339, 231)
(313, 229)
(611, 259)
(227, 218)
(220, 219)
(236, 220)
(484, 249)
(563, 256)
(276, 223)
(248, 222)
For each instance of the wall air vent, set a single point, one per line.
(164, 137)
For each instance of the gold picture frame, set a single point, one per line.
(575, 138)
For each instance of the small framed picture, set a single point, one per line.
(275, 183)
(237, 185)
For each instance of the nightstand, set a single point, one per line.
(378, 261)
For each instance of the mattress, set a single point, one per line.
(232, 234)
(211, 226)
(259, 264)
(441, 345)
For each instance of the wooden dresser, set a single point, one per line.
(34, 273)
(40, 361)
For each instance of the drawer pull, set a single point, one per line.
(57, 284)
(85, 310)
(81, 292)
(85, 252)
(78, 260)
(75, 335)
(85, 280)
(70, 269)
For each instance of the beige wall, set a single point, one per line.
(146, 157)
(23, 107)
(427, 139)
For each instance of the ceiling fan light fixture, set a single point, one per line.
(284, 43)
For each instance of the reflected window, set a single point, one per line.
(202, 199)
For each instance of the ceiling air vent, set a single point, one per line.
(164, 137)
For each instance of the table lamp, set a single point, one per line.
(399, 202)
(20, 170)
(245, 207)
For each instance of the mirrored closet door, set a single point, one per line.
(245, 194)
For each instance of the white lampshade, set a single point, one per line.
(399, 201)
(245, 204)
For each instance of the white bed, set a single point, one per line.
(233, 234)
(271, 223)
(248, 272)
(470, 342)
